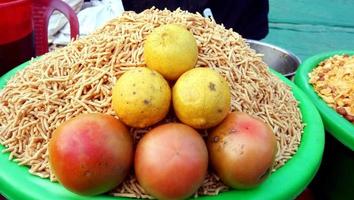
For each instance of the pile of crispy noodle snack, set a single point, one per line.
(78, 79)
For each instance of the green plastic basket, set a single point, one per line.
(286, 183)
(334, 123)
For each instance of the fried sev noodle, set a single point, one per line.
(78, 79)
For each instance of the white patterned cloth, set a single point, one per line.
(90, 18)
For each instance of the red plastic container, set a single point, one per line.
(24, 29)
(16, 45)
(15, 20)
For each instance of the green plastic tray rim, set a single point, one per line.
(286, 183)
(334, 123)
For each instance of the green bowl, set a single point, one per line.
(286, 183)
(334, 123)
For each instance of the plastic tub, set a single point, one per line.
(286, 183)
(335, 179)
(16, 35)
(24, 29)
(334, 123)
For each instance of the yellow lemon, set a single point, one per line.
(171, 50)
(141, 97)
(201, 98)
